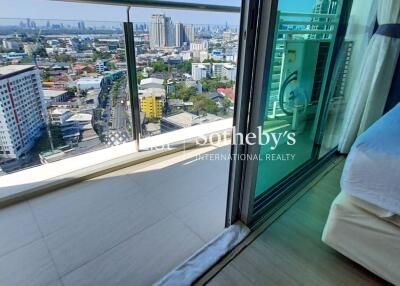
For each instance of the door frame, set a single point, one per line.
(243, 174)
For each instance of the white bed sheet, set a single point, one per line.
(372, 168)
(365, 238)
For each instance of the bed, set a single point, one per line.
(364, 220)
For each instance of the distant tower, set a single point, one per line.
(179, 35)
(161, 31)
(188, 33)
(81, 26)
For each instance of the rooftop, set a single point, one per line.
(85, 80)
(51, 93)
(187, 119)
(60, 111)
(12, 69)
(81, 117)
(228, 92)
(151, 80)
(157, 92)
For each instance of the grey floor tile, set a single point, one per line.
(141, 260)
(93, 235)
(17, 227)
(29, 265)
(185, 188)
(55, 283)
(69, 205)
(206, 216)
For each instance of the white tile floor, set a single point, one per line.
(129, 227)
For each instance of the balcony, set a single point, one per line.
(134, 224)
(117, 189)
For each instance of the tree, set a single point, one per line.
(159, 66)
(184, 92)
(227, 104)
(111, 66)
(185, 67)
(63, 58)
(100, 55)
(41, 52)
(204, 105)
(71, 90)
(139, 76)
(46, 76)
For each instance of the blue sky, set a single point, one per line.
(45, 9)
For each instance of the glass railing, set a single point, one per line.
(80, 87)
(186, 73)
(78, 81)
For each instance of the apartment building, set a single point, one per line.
(229, 71)
(200, 70)
(22, 109)
(100, 66)
(151, 106)
(161, 31)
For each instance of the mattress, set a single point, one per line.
(367, 239)
(372, 168)
(374, 210)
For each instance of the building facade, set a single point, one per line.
(229, 72)
(188, 31)
(161, 31)
(200, 70)
(22, 109)
(152, 107)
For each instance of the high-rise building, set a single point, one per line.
(323, 7)
(81, 25)
(188, 33)
(179, 34)
(161, 31)
(22, 109)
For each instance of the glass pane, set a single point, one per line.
(63, 90)
(360, 28)
(304, 38)
(186, 69)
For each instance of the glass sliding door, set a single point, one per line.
(303, 44)
(291, 82)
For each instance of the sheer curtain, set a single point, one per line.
(346, 71)
(372, 85)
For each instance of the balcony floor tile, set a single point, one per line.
(93, 235)
(29, 265)
(67, 206)
(142, 259)
(206, 216)
(17, 228)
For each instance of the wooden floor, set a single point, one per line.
(290, 251)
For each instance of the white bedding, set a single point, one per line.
(364, 238)
(372, 168)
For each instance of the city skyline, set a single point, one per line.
(44, 9)
(110, 13)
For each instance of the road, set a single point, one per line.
(118, 132)
(119, 120)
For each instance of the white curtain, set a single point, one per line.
(371, 88)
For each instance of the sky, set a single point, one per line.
(47, 9)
